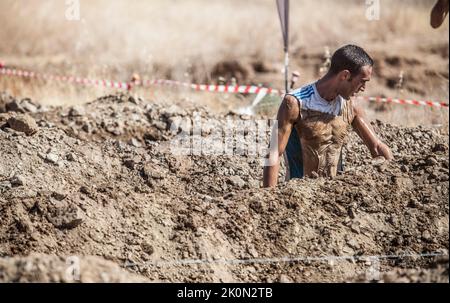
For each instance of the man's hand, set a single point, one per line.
(382, 149)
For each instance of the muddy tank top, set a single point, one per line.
(322, 127)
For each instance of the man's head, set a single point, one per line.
(352, 67)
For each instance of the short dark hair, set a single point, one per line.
(351, 58)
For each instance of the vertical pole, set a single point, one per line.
(283, 12)
(286, 71)
(286, 45)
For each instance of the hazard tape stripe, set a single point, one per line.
(405, 101)
(243, 89)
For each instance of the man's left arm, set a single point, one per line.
(367, 134)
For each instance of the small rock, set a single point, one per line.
(52, 158)
(378, 161)
(426, 236)
(132, 100)
(431, 161)
(59, 196)
(175, 122)
(198, 209)
(352, 212)
(66, 217)
(404, 168)
(86, 128)
(70, 220)
(352, 242)
(71, 157)
(147, 248)
(152, 135)
(24, 223)
(5, 185)
(17, 181)
(314, 175)
(113, 130)
(23, 123)
(4, 118)
(393, 220)
(134, 142)
(413, 203)
(85, 190)
(77, 111)
(254, 184)
(173, 110)
(129, 163)
(284, 279)
(4, 100)
(152, 171)
(28, 105)
(433, 175)
(355, 228)
(236, 181)
(160, 125)
(253, 252)
(417, 135)
(440, 147)
(14, 106)
(398, 241)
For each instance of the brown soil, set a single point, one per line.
(99, 182)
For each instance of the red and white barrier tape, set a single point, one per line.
(243, 89)
(56, 78)
(406, 101)
(246, 89)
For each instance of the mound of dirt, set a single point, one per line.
(438, 273)
(39, 268)
(10, 104)
(242, 72)
(101, 180)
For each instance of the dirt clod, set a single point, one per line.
(23, 123)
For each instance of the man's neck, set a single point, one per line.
(326, 87)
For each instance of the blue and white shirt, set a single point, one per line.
(309, 99)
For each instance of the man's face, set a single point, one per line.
(353, 85)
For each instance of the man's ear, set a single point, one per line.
(345, 75)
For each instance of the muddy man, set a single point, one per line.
(314, 120)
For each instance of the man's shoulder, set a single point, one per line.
(304, 92)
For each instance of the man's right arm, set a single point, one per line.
(287, 116)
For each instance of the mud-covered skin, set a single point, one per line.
(322, 137)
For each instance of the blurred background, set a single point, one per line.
(215, 41)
